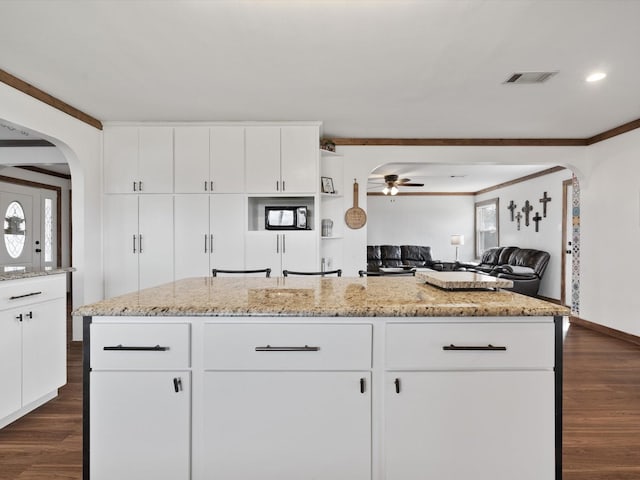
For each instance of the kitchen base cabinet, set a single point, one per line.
(33, 343)
(140, 425)
(10, 362)
(291, 250)
(287, 425)
(461, 425)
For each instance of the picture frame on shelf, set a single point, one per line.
(327, 185)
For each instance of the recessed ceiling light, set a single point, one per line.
(594, 77)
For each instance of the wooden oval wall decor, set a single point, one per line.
(355, 217)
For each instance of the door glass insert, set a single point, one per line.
(48, 230)
(14, 229)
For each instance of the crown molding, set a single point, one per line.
(462, 142)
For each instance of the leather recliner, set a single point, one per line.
(524, 266)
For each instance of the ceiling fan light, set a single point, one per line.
(394, 190)
(385, 190)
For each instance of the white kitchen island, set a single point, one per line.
(322, 378)
(33, 339)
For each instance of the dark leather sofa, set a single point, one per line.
(524, 266)
(400, 255)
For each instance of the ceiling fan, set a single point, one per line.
(392, 182)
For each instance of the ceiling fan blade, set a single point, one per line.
(411, 185)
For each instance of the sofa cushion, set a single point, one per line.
(374, 258)
(505, 255)
(391, 255)
(416, 255)
(528, 257)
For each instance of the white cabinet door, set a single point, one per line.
(227, 159)
(155, 227)
(44, 349)
(262, 250)
(458, 425)
(299, 159)
(140, 425)
(228, 227)
(120, 244)
(10, 362)
(287, 426)
(263, 159)
(120, 159)
(299, 251)
(192, 238)
(155, 160)
(191, 160)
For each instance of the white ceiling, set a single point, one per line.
(394, 68)
(386, 68)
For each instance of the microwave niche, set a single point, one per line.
(285, 218)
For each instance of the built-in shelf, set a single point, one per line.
(332, 237)
(330, 195)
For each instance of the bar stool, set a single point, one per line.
(266, 271)
(338, 272)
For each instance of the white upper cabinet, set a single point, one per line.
(155, 160)
(299, 159)
(209, 160)
(192, 159)
(138, 159)
(263, 159)
(227, 159)
(282, 160)
(120, 159)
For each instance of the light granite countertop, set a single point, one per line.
(317, 297)
(29, 273)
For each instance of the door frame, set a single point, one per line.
(565, 235)
(58, 190)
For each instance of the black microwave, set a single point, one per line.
(286, 218)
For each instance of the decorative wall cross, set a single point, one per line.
(512, 206)
(527, 209)
(544, 200)
(537, 219)
(518, 218)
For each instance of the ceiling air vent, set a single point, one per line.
(530, 77)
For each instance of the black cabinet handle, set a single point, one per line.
(15, 297)
(19, 317)
(474, 348)
(397, 384)
(269, 348)
(363, 385)
(177, 384)
(30, 314)
(121, 347)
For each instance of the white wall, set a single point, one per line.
(610, 235)
(81, 145)
(422, 220)
(549, 237)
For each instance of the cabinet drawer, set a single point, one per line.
(24, 291)
(287, 347)
(470, 346)
(135, 346)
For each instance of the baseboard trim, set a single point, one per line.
(550, 300)
(612, 332)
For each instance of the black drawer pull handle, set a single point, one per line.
(120, 347)
(470, 348)
(15, 297)
(363, 385)
(177, 384)
(397, 384)
(269, 348)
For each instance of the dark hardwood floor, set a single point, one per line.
(601, 418)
